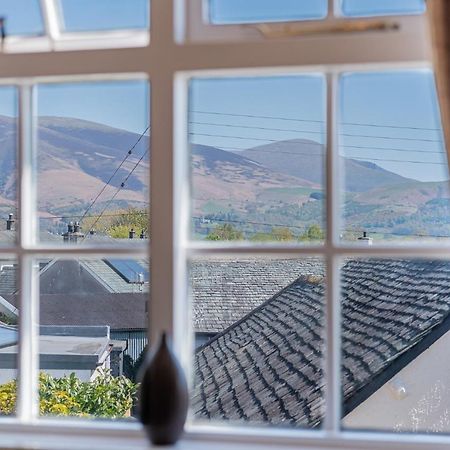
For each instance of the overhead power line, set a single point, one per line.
(292, 119)
(367, 158)
(400, 138)
(122, 185)
(127, 155)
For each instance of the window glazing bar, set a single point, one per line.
(332, 312)
(27, 404)
(51, 15)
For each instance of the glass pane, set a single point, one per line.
(9, 317)
(93, 334)
(257, 147)
(380, 7)
(22, 17)
(8, 158)
(393, 157)
(251, 11)
(258, 327)
(93, 162)
(395, 322)
(97, 15)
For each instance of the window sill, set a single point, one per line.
(51, 434)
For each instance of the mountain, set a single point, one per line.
(75, 158)
(224, 177)
(305, 159)
(275, 185)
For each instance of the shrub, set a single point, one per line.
(105, 396)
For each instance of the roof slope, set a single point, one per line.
(267, 367)
(224, 290)
(115, 310)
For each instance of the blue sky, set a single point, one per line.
(24, 17)
(381, 102)
(235, 11)
(399, 99)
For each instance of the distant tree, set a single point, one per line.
(282, 234)
(312, 233)
(118, 223)
(225, 232)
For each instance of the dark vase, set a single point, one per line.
(163, 396)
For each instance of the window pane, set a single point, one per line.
(257, 147)
(393, 157)
(380, 7)
(93, 318)
(93, 160)
(395, 322)
(9, 317)
(96, 15)
(258, 327)
(22, 17)
(8, 158)
(251, 11)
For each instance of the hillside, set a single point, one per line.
(275, 185)
(221, 178)
(75, 158)
(305, 159)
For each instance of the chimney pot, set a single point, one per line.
(10, 222)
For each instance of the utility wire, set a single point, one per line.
(406, 150)
(122, 185)
(376, 125)
(304, 227)
(250, 138)
(127, 155)
(245, 222)
(314, 132)
(368, 158)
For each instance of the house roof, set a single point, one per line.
(267, 367)
(224, 290)
(8, 277)
(115, 310)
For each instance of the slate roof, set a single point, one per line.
(224, 290)
(115, 310)
(266, 368)
(8, 277)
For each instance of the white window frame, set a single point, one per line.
(169, 63)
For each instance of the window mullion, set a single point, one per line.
(162, 205)
(27, 407)
(332, 332)
(51, 16)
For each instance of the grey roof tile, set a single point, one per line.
(266, 368)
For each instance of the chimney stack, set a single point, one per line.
(73, 232)
(364, 239)
(10, 222)
(131, 233)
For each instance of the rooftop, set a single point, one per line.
(267, 367)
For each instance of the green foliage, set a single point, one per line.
(8, 395)
(313, 233)
(225, 232)
(282, 234)
(118, 223)
(105, 396)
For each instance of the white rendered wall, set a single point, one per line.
(416, 399)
